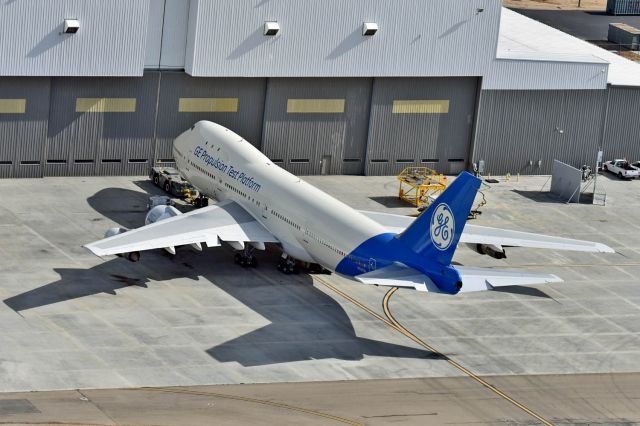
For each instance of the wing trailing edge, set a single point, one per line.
(226, 221)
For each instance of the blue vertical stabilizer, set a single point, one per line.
(435, 234)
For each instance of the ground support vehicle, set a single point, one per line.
(622, 168)
(420, 185)
(169, 179)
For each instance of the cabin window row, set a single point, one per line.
(326, 244)
(286, 219)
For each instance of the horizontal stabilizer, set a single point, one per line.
(479, 279)
(473, 279)
(398, 275)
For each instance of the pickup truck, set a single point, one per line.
(622, 168)
(170, 180)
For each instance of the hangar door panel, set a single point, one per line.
(317, 125)
(235, 103)
(420, 121)
(101, 126)
(24, 110)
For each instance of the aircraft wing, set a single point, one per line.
(506, 238)
(476, 234)
(473, 279)
(393, 222)
(225, 221)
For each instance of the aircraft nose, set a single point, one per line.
(181, 141)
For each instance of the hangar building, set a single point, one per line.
(443, 83)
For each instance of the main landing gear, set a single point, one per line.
(314, 268)
(287, 265)
(246, 258)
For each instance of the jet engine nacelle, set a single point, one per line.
(497, 252)
(159, 213)
(134, 256)
(163, 212)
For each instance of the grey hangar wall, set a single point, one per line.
(520, 131)
(73, 126)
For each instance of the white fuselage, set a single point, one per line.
(311, 225)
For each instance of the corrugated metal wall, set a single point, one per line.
(110, 41)
(323, 38)
(518, 129)
(436, 139)
(300, 139)
(622, 133)
(246, 121)
(518, 73)
(101, 142)
(352, 124)
(23, 133)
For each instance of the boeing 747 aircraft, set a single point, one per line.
(261, 203)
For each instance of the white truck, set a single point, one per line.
(622, 168)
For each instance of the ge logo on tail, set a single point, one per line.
(443, 226)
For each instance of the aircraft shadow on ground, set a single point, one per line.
(315, 328)
(122, 206)
(524, 291)
(127, 208)
(390, 201)
(318, 328)
(105, 278)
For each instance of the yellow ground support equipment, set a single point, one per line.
(420, 185)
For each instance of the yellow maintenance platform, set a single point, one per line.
(420, 185)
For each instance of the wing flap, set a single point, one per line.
(393, 222)
(226, 221)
